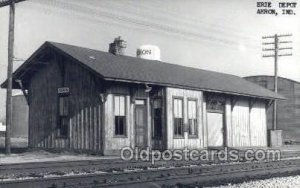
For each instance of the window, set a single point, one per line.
(63, 106)
(120, 117)
(63, 125)
(157, 113)
(178, 117)
(192, 117)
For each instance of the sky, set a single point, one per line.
(223, 36)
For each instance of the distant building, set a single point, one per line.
(20, 116)
(20, 110)
(2, 129)
(288, 117)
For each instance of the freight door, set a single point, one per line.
(215, 129)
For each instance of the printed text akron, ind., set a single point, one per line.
(267, 7)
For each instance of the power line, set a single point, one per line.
(190, 21)
(90, 11)
(173, 16)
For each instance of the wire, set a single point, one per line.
(167, 29)
(193, 23)
(191, 20)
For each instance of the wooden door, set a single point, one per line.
(215, 129)
(140, 126)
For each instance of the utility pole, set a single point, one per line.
(276, 55)
(11, 4)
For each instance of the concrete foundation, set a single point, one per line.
(275, 138)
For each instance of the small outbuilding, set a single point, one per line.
(87, 100)
(19, 126)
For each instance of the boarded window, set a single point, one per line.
(63, 106)
(63, 125)
(215, 103)
(120, 117)
(192, 117)
(178, 117)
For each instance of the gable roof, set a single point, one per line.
(132, 69)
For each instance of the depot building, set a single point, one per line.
(85, 100)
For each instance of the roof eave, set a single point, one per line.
(194, 88)
(23, 66)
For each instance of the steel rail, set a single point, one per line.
(38, 168)
(167, 176)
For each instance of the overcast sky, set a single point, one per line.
(223, 36)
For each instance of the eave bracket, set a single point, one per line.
(233, 102)
(23, 90)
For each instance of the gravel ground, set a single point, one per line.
(44, 156)
(15, 142)
(280, 182)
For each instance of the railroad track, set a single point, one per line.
(114, 172)
(164, 177)
(107, 165)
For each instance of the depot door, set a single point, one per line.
(215, 124)
(140, 124)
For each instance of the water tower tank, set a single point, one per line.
(150, 52)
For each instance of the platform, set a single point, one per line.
(44, 156)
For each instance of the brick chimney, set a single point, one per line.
(118, 46)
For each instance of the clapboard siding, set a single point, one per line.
(85, 105)
(113, 144)
(177, 143)
(228, 122)
(43, 106)
(84, 108)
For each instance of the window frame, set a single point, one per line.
(196, 118)
(176, 136)
(125, 135)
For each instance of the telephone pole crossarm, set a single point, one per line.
(4, 3)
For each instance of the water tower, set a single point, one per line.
(150, 52)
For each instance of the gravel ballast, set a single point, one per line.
(279, 182)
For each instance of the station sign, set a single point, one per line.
(63, 90)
